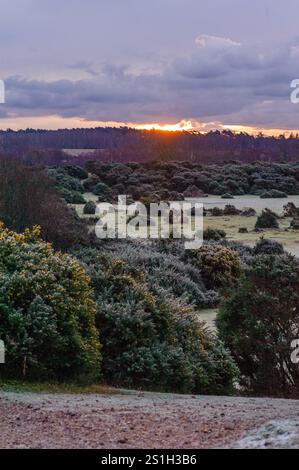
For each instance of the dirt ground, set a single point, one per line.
(140, 420)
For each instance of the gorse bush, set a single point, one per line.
(273, 193)
(163, 264)
(90, 183)
(231, 210)
(268, 247)
(76, 172)
(66, 179)
(72, 197)
(218, 264)
(290, 210)
(267, 219)
(47, 311)
(90, 208)
(213, 234)
(102, 190)
(259, 321)
(150, 339)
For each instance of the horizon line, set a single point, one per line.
(253, 132)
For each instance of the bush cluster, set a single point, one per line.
(176, 180)
(259, 321)
(267, 219)
(150, 339)
(47, 311)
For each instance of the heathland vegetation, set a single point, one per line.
(128, 313)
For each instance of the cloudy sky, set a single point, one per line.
(204, 64)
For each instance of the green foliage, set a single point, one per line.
(76, 172)
(90, 183)
(267, 219)
(219, 265)
(176, 180)
(216, 212)
(268, 247)
(65, 179)
(258, 322)
(290, 210)
(150, 339)
(72, 197)
(193, 191)
(213, 234)
(231, 210)
(163, 264)
(101, 189)
(90, 208)
(192, 179)
(273, 193)
(47, 311)
(28, 197)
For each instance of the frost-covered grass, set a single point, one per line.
(231, 224)
(255, 202)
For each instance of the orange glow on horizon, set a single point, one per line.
(180, 126)
(258, 130)
(54, 122)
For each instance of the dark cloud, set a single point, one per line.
(151, 61)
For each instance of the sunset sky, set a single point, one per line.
(173, 64)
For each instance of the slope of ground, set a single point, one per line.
(137, 420)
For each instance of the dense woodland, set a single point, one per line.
(125, 144)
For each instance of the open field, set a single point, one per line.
(231, 224)
(257, 203)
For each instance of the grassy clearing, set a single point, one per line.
(231, 224)
(255, 202)
(45, 387)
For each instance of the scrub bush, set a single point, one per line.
(150, 339)
(47, 311)
(259, 321)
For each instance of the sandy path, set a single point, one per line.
(133, 420)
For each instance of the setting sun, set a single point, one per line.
(180, 126)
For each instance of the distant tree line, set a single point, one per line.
(126, 144)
